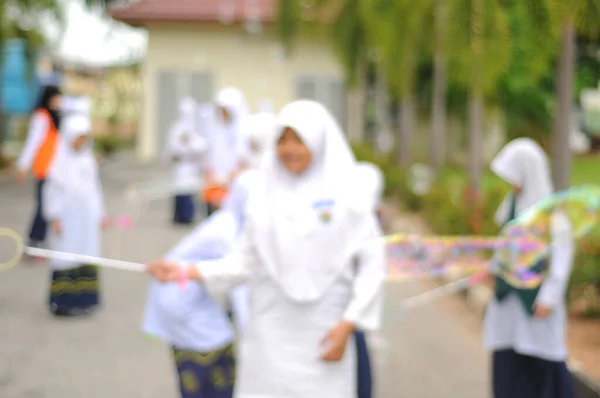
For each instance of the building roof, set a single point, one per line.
(145, 12)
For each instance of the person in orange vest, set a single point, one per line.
(38, 153)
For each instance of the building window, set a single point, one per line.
(172, 86)
(329, 91)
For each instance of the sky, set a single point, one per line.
(95, 40)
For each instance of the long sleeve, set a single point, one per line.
(35, 136)
(553, 289)
(223, 275)
(53, 199)
(364, 310)
(241, 311)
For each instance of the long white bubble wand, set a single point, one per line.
(62, 256)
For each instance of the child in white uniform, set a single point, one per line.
(225, 126)
(74, 207)
(303, 231)
(186, 151)
(525, 328)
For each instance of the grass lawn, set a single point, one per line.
(585, 170)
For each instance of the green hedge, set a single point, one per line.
(445, 207)
(108, 144)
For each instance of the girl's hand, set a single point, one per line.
(165, 271)
(336, 340)
(541, 311)
(105, 224)
(57, 227)
(21, 176)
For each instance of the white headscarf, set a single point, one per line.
(261, 136)
(75, 170)
(370, 177)
(303, 250)
(227, 146)
(183, 127)
(522, 162)
(71, 106)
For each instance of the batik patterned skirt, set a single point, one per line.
(206, 375)
(75, 289)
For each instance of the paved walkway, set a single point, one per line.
(431, 352)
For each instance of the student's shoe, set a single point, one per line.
(87, 311)
(62, 312)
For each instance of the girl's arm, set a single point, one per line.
(230, 271)
(364, 310)
(239, 302)
(35, 136)
(53, 199)
(553, 288)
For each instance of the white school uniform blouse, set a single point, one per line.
(280, 347)
(508, 326)
(74, 196)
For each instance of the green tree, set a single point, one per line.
(479, 46)
(397, 31)
(349, 39)
(525, 91)
(439, 118)
(581, 16)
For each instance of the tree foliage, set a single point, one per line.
(397, 31)
(479, 43)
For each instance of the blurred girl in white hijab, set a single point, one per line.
(304, 228)
(526, 328)
(260, 138)
(186, 151)
(225, 128)
(74, 207)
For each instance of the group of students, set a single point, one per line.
(294, 329)
(70, 209)
(212, 144)
(305, 250)
(295, 248)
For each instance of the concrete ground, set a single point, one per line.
(429, 352)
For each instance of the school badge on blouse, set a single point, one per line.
(324, 208)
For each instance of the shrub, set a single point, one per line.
(108, 144)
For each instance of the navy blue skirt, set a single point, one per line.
(75, 289)
(205, 375)
(365, 378)
(521, 376)
(39, 225)
(184, 209)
